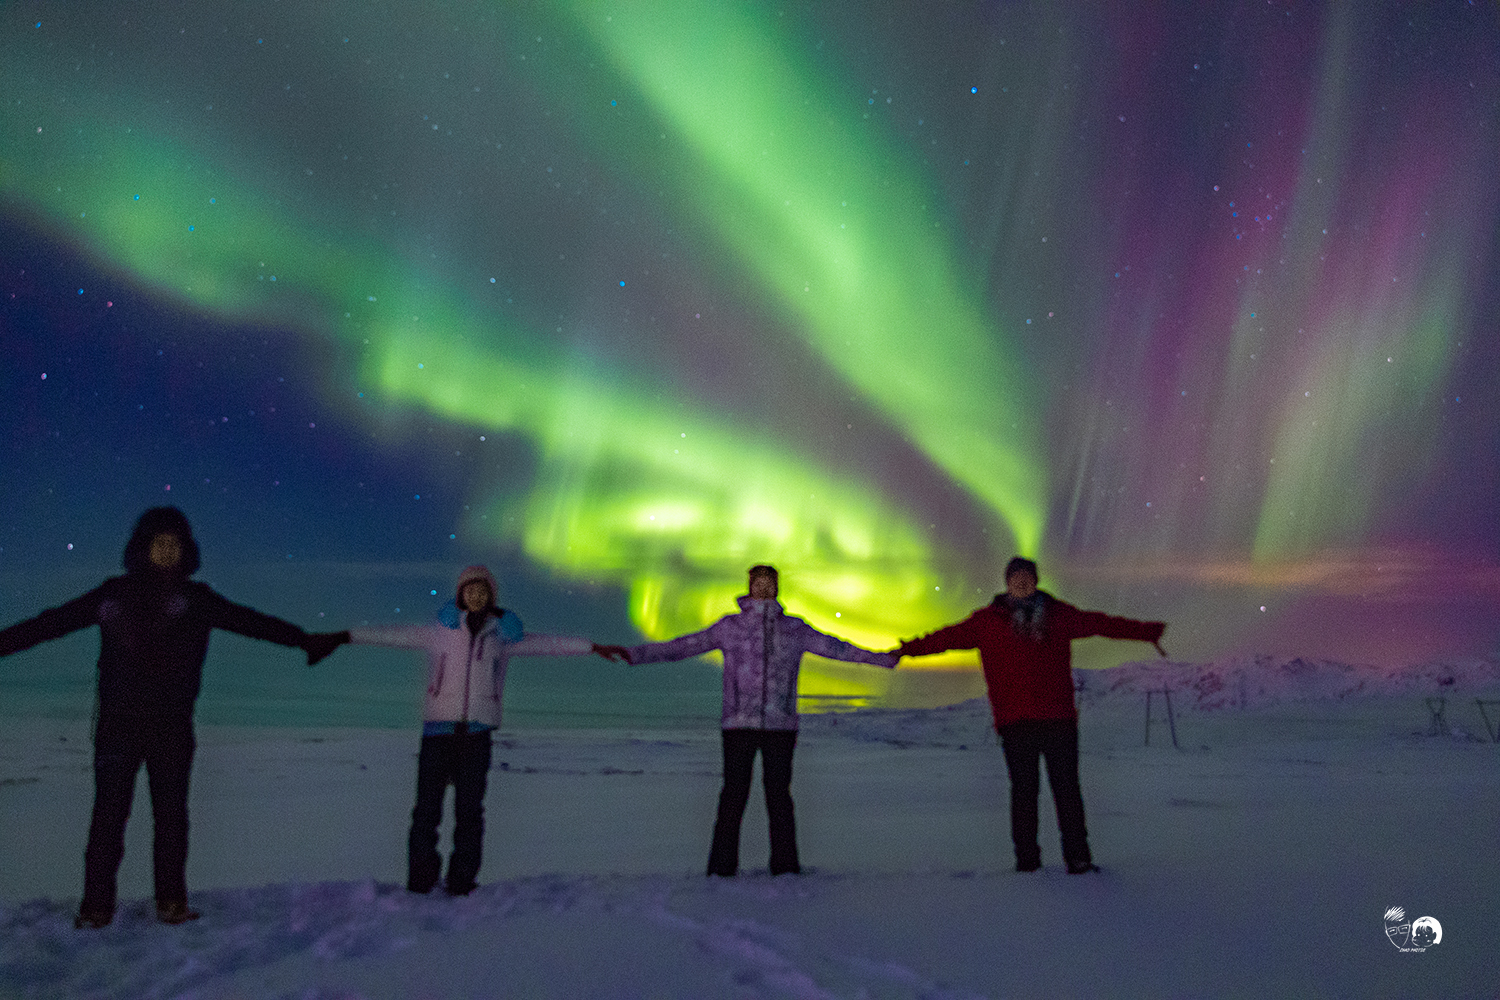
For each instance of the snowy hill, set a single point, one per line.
(1259, 860)
(1262, 680)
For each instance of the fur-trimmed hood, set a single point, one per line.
(157, 521)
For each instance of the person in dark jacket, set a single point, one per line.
(154, 624)
(1025, 642)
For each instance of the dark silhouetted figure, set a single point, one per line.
(154, 624)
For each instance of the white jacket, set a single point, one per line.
(466, 672)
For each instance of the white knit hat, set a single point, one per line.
(482, 575)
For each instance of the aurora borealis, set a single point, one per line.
(1198, 308)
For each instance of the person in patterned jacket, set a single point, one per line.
(762, 647)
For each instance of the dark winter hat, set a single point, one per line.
(764, 570)
(1021, 565)
(161, 521)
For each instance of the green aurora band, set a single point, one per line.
(672, 503)
(1315, 386)
(836, 224)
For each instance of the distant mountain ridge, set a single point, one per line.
(1263, 679)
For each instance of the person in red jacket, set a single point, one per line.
(1024, 638)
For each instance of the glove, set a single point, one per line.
(1155, 639)
(319, 644)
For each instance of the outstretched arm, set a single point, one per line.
(236, 618)
(550, 645)
(834, 648)
(960, 635)
(693, 644)
(1087, 623)
(396, 636)
(54, 623)
(257, 625)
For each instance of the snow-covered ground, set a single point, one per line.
(1257, 859)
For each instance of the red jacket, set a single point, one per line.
(1030, 678)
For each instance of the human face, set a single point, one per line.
(475, 596)
(166, 551)
(763, 587)
(1020, 585)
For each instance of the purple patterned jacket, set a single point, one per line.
(763, 650)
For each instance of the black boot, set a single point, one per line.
(93, 918)
(175, 912)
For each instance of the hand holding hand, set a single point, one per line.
(319, 644)
(616, 653)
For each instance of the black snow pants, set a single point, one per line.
(121, 745)
(1025, 743)
(775, 746)
(460, 759)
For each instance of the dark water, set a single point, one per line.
(251, 684)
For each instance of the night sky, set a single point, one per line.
(1199, 309)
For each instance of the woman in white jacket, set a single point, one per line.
(468, 649)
